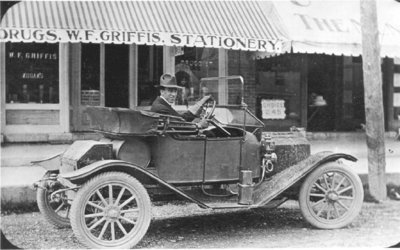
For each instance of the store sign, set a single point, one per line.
(273, 109)
(128, 37)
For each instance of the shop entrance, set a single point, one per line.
(335, 94)
(321, 93)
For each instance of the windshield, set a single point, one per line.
(229, 94)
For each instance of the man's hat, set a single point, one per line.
(168, 81)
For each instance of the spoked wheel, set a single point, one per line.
(331, 196)
(55, 211)
(111, 210)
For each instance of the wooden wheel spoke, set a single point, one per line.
(94, 215)
(112, 231)
(328, 213)
(342, 205)
(59, 207)
(130, 210)
(333, 181)
(336, 211)
(95, 205)
(110, 194)
(97, 223)
(320, 188)
(101, 198)
(322, 209)
(128, 220)
(326, 182)
(119, 196)
(345, 189)
(318, 202)
(121, 227)
(346, 197)
(103, 230)
(67, 213)
(340, 183)
(317, 195)
(127, 201)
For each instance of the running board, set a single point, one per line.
(224, 205)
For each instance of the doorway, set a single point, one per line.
(116, 68)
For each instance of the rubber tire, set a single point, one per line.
(78, 206)
(47, 211)
(355, 208)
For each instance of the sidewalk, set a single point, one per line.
(17, 174)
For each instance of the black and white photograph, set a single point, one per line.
(200, 124)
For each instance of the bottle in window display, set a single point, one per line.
(41, 93)
(25, 94)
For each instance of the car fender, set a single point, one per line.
(271, 188)
(86, 172)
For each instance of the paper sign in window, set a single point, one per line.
(273, 109)
(396, 99)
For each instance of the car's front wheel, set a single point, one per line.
(331, 196)
(111, 210)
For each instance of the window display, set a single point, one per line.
(32, 73)
(150, 68)
(192, 64)
(90, 75)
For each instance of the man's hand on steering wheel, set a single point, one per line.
(209, 104)
(209, 117)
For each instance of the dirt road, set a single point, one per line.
(187, 226)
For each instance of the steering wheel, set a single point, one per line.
(209, 116)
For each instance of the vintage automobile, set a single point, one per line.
(104, 189)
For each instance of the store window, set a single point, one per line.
(90, 75)
(278, 100)
(32, 73)
(150, 69)
(192, 64)
(396, 92)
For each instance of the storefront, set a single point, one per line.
(58, 58)
(321, 77)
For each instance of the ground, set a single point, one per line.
(184, 225)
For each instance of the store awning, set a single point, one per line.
(245, 25)
(333, 26)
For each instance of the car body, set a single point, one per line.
(104, 188)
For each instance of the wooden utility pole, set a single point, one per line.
(375, 128)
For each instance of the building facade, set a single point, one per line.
(63, 57)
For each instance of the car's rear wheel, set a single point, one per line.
(111, 210)
(331, 196)
(55, 211)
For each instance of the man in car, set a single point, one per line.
(168, 93)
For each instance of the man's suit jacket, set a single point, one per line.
(162, 107)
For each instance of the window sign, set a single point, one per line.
(396, 99)
(32, 73)
(273, 109)
(396, 80)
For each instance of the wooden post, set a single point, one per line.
(375, 130)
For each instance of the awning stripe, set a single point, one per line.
(122, 13)
(90, 11)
